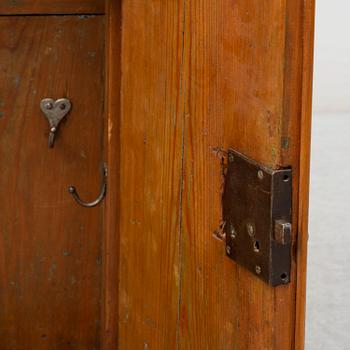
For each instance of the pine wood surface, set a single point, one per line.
(185, 80)
(198, 77)
(50, 247)
(31, 7)
(110, 309)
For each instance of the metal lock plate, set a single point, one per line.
(257, 212)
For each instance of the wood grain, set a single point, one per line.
(151, 129)
(31, 7)
(245, 76)
(227, 74)
(109, 331)
(305, 145)
(236, 57)
(50, 248)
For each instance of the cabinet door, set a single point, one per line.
(199, 77)
(50, 247)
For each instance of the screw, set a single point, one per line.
(250, 229)
(256, 247)
(228, 250)
(53, 130)
(231, 158)
(63, 106)
(49, 105)
(260, 174)
(233, 233)
(258, 269)
(284, 278)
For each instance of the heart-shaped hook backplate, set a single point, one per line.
(54, 112)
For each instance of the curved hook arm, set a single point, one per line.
(72, 190)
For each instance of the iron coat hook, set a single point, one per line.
(72, 190)
(55, 111)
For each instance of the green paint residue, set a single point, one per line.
(285, 142)
(274, 152)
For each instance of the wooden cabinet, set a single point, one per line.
(159, 91)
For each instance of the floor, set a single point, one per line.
(328, 299)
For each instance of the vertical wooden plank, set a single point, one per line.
(245, 77)
(305, 141)
(151, 135)
(236, 100)
(109, 329)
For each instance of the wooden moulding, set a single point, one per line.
(109, 328)
(51, 7)
(305, 146)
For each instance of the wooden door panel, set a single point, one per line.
(25, 7)
(236, 91)
(242, 72)
(50, 247)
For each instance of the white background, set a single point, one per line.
(332, 56)
(328, 296)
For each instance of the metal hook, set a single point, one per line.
(72, 190)
(54, 112)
